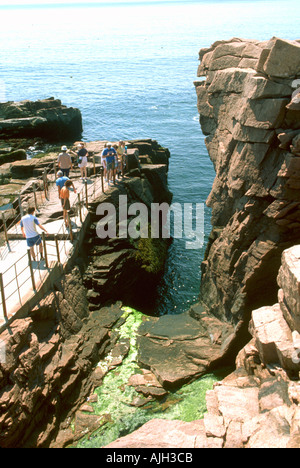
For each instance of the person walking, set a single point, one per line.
(65, 200)
(65, 161)
(28, 227)
(60, 182)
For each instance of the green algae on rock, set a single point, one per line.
(115, 397)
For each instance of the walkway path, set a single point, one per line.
(21, 279)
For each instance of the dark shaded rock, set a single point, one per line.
(47, 119)
(13, 156)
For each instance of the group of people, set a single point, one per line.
(113, 161)
(113, 158)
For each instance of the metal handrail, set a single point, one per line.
(69, 236)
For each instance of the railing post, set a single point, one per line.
(57, 248)
(102, 178)
(45, 183)
(54, 167)
(86, 195)
(4, 228)
(3, 297)
(94, 164)
(35, 199)
(31, 270)
(70, 226)
(20, 206)
(114, 173)
(45, 250)
(123, 165)
(79, 204)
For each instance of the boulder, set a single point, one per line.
(160, 433)
(191, 344)
(12, 156)
(47, 119)
(283, 60)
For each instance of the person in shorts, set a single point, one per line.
(82, 159)
(29, 222)
(64, 161)
(110, 154)
(65, 200)
(60, 182)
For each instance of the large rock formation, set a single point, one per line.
(47, 119)
(258, 405)
(249, 113)
(48, 360)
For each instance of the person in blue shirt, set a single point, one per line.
(29, 223)
(60, 182)
(109, 153)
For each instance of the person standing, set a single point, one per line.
(82, 157)
(110, 153)
(120, 153)
(60, 182)
(103, 161)
(65, 200)
(65, 161)
(28, 227)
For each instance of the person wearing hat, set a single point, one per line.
(82, 155)
(60, 182)
(65, 161)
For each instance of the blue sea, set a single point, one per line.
(130, 67)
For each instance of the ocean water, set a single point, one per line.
(129, 67)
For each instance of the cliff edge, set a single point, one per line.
(249, 111)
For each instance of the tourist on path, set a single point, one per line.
(120, 153)
(110, 153)
(28, 227)
(60, 182)
(103, 161)
(82, 157)
(65, 161)
(65, 200)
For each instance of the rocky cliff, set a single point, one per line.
(49, 360)
(257, 405)
(47, 119)
(250, 113)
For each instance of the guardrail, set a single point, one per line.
(50, 250)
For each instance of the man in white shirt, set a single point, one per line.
(28, 227)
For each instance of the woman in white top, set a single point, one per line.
(82, 160)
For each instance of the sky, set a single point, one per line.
(40, 2)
